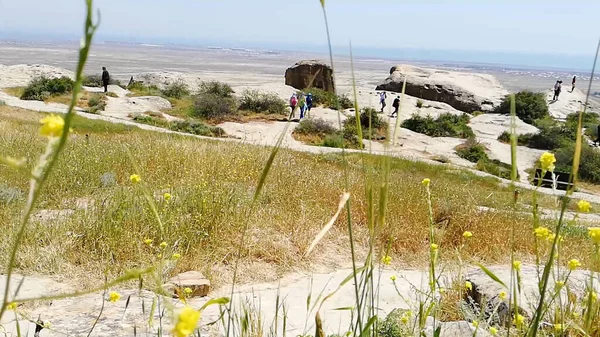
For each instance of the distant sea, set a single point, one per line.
(515, 71)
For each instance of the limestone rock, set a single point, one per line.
(466, 92)
(310, 73)
(194, 280)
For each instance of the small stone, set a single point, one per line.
(192, 279)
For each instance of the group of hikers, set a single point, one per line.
(302, 101)
(558, 88)
(395, 104)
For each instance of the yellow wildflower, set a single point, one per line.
(541, 232)
(558, 327)
(493, 331)
(187, 291)
(547, 161)
(573, 264)
(11, 306)
(52, 126)
(594, 296)
(517, 265)
(386, 260)
(502, 295)
(559, 284)
(476, 324)
(467, 234)
(594, 233)
(163, 245)
(519, 320)
(426, 182)
(148, 241)
(47, 325)
(434, 246)
(393, 278)
(113, 296)
(186, 322)
(176, 256)
(404, 319)
(468, 285)
(583, 206)
(134, 178)
(167, 196)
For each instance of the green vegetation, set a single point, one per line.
(419, 103)
(215, 101)
(95, 81)
(373, 126)
(96, 102)
(328, 99)
(256, 101)
(177, 90)
(530, 106)
(140, 89)
(42, 88)
(446, 125)
(187, 126)
(474, 152)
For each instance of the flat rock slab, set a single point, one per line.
(194, 280)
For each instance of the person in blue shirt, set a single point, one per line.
(309, 103)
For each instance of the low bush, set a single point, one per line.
(2, 103)
(328, 99)
(144, 119)
(141, 89)
(529, 105)
(589, 167)
(335, 140)
(419, 103)
(197, 128)
(112, 94)
(342, 101)
(472, 151)
(176, 90)
(495, 167)
(369, 120)
(216, 88)
(446, 125)
(256, 101)
(41, 88)
(209, 105)
(315, 126)
(96, 103)
(95, 81)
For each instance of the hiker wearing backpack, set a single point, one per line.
(293, 105)
(309, 104)
(396, 106)
(302, 106)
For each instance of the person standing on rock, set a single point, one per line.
(396, 106)
(309, 104)
(573, 83)
(293, 105)
(382, 97)
(105, 79)
(557, 88)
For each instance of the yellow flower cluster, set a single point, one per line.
(52, 126)
(584, 206)
(519, 321)
(386, 260)
(393, 278)
(468, 285)
(517, 265)
(148, 242)
(11, 306)
(541, 232)
(573, 264)
(163, 245)
(547, 161)
(167, 196)
(493, 331)
(186, 322)
(114, 296)
(134, 178)
(594, 233)
(176, 256)
(502, 295)
(434, 247)
(426, 182)
(467, 235)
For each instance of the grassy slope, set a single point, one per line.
(212, 183)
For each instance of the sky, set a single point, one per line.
(526, 26)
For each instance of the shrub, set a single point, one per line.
(142, 89)
(472, 151)
(335, 140)
(369, 120)
(41, 88)
(253, 100)
(529, 106)
(343, 101)
(419, 103)
(210, 105)
(495, 167)
(144, 119)
(216, 88)
(197, 128)
(315, 126)
(446, 125)
(96, 103)
(111, 94)
(95, 81)
(176, 90)
(2, 103)
(504, 137)
(589, 167)
(328, 99)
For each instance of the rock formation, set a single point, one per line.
(466, 92)
(310, 73)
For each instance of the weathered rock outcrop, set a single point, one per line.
(466, 92)
(310, 73)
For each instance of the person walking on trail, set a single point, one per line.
(302, 104)
(396, 106)
(382, 97)
(309, 104)
(105, 79)
(557, 89)
(573, 83)
(597, 142)
(293, 105)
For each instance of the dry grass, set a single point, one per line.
(212, 184)
(62, 99)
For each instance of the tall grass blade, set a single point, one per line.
(513, 139)
(491, 275)
(329, 224)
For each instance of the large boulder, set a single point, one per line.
(466, 92)
(309, 74)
